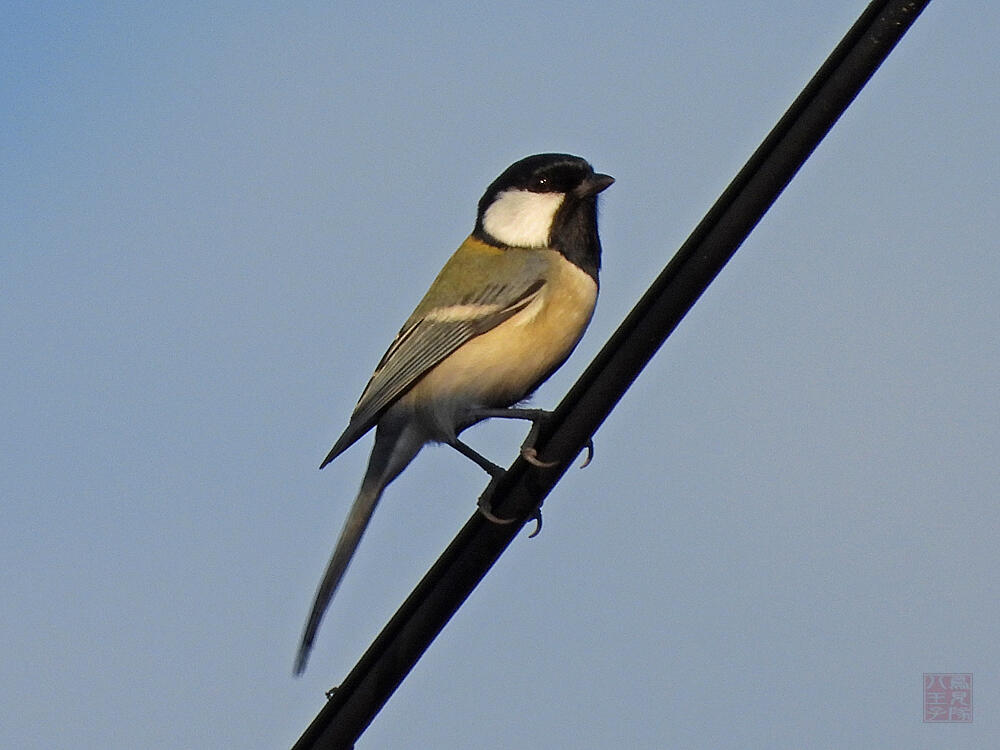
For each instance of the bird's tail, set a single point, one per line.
(396, 444)
(350, 536)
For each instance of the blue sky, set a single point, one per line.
(216, 216)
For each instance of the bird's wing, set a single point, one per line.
(427, 338)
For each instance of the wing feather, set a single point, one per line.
(423, 343)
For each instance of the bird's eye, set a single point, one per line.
(541, 183)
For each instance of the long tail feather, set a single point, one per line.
(397, 442)
(347, 543)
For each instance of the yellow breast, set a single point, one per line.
(502, 366)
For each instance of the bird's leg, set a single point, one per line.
(536, 417)
(490, 468)
(484, 463)
(495, 472)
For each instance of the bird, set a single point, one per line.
(503, 314)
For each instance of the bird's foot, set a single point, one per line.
(530, 454)
(536, 416)
(486, 510)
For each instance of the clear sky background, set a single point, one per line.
(214, 218)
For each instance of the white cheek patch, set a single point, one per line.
(520, 218)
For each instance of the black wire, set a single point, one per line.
(467, 559)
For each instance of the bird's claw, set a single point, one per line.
(531, 456)
(537, 518)
(487, 512)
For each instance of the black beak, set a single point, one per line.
(594, 185)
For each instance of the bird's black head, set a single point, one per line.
(545, 200)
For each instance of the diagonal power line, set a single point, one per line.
(385, 664)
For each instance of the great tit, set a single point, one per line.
(502, 315)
